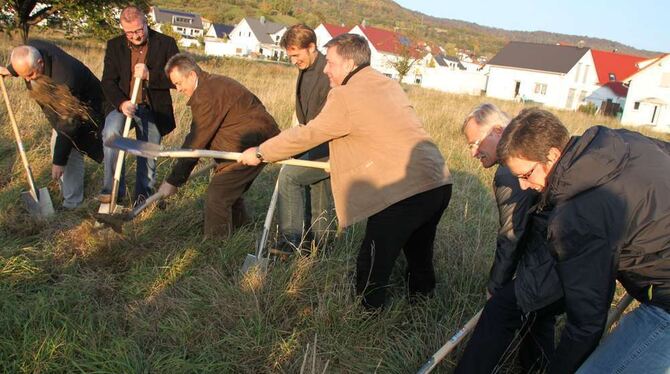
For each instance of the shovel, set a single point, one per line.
(146, 149)
(116, 220)
(38, 202)
(258, 260)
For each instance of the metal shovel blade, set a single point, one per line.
(252, 261)
(42, 207)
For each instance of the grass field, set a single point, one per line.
(161, 299)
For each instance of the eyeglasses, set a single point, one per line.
(137, 32)
(529, 173)
(474, 145)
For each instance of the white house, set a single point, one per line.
(258, 37)
(325, 31)
(188, 25)
(217, 40)
(445, 73)
(613, 69)
(558, 76)
(648, 101)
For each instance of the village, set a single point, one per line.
(633, 89)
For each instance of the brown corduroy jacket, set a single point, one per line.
(379, 151)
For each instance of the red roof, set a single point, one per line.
(621, 65)
(336, 30)
(387, 41)
(618, 88)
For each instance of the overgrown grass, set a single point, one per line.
(160, 298)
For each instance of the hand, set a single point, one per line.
(166, 189)
(141, 72)
(488, 295)
(4, 71)
(128, 108)
(57, 171)
(249, 157)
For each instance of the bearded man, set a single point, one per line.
(72, 100)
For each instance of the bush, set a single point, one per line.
(588, 108)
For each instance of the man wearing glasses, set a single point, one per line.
(139, 53)
(606, 194)
(522, 278)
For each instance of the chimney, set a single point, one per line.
(363, 24)
(262, 19)
(580, 44)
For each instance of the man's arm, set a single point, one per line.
(513, 207)
(586, 266)
(331, 123)
(110, 79)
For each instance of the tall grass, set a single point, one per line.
(160, 298)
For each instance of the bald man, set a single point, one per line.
(71, 98)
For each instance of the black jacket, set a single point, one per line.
(318, 93)
(66, 70)
(117, 74)
(521, 246)
(610, 214)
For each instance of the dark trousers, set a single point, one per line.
(407, 225)
(502, 329)
(224, 206)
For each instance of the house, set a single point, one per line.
(325, 31)
(558, 76)
(188, 25)
(648, 101)
(217, 40)
(258, 38)
(613, 69)
(447, 74)
(388, 48)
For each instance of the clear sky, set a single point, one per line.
(642, 24)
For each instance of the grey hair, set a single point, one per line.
(27, 52)
(351, 46)
(485, 115)
(183, 62)
(132, 13)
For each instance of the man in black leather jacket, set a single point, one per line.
(509, 318)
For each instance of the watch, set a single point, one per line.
(259, 155)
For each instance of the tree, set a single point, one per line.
(94, 17)
(403, 64)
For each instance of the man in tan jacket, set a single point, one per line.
(384, 167)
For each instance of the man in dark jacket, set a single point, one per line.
(226, 117)
(139, 53)
(304, 193)
(510, 318)
(72, 101)
(606, 194)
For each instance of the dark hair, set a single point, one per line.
(531, 135)
(351, 46)
(299, 35)
(183, 62)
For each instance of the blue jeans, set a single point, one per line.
(303, 201)
(640, 344)
(72, 181)
(145, 130)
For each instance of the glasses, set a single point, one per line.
(137, 32)
(529, 173)
(474, 145)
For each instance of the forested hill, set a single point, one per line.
(448, 33)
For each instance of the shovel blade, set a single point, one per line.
(42, 207)
(252, 261)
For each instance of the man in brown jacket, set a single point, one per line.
(226, 117)
(384, 167)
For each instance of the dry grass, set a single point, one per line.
(162, 299)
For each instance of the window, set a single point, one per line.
(540, 88)
(636, 106)
(586, 73)
(179, 29)
(182, 20)
(571, 98)
(582, 96)
(612, 77)
(579, 69)
(249, 33)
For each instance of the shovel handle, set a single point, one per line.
(121, 155)
(147, 203)
(22, 151)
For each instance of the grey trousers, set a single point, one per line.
(72, 181)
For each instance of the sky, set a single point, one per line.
(642, 24)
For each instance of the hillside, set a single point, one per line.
(482, 40)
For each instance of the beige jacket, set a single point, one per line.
(379, 151)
